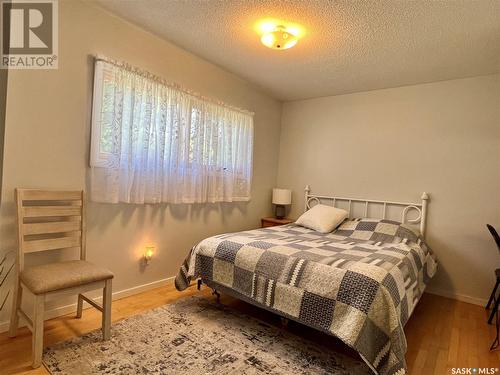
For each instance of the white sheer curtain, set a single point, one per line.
(152, 142)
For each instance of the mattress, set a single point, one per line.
(359, 283)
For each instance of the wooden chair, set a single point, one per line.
(49, 220)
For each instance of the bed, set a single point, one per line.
(359, 283)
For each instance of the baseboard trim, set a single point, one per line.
(458, 297)
(63, 310)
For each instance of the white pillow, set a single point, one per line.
(322, 218)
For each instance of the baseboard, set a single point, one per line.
(458, 297)
(63, 310)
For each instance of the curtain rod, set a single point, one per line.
(161, 80)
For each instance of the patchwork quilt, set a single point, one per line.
(359, 283)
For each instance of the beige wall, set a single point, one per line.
(47, 145)
(443, 138)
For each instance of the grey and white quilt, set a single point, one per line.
(359, 283)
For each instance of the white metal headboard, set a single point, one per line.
(420, 208)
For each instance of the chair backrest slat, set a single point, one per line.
(52, 227)
(51, 195)
(48, 211)
(49, 220)
(52, 244)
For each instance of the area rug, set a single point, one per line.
(196, 336)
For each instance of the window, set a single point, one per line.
(153, 143)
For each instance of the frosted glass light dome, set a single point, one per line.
(279, 38)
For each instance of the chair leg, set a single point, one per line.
(106, 310)
(494, 311)
(79, 307)
(37, 347)
(493, 294)
(16, 304)
(496, 342)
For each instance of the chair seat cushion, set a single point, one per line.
(61, 275)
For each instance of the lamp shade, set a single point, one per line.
(282, 196)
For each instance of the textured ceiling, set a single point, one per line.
(348, 46)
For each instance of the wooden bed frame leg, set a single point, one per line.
(214, 291)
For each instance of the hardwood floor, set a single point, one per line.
(441, 334)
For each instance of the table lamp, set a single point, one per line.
(281, 198)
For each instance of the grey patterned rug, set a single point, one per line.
(196, 336)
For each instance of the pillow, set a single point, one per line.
(322, 218)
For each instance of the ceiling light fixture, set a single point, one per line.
(279, 38)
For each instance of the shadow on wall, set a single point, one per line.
(447, 287)
(7, 262)
(442, 273)
(157, 212)
(168, 226)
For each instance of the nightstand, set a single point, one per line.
(272, 222)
